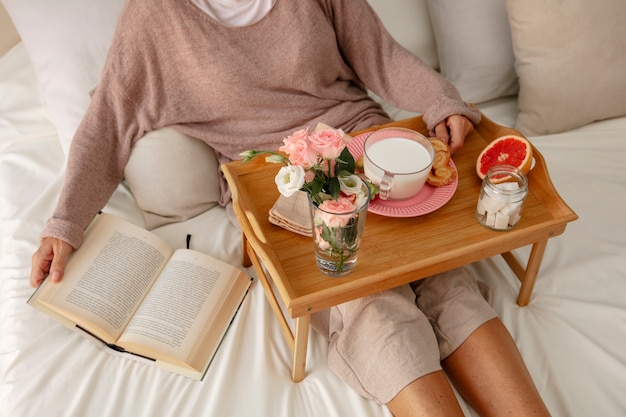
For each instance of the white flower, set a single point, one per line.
(361, 197)
(290, 179)
(350, 184)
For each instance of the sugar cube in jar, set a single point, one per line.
(502, 196)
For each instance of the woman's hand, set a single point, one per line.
(50, 258)
(453, 131)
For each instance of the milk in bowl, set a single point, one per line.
(399, 161)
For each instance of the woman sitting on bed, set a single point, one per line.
(241, 74)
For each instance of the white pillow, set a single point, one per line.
(474, 46)
(571, 62)
(174, 177)
(67, 42)
(408, 22)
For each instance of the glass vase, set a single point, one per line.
(337, 236)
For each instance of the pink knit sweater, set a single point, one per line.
(238, 88)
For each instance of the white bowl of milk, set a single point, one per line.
(398, 161)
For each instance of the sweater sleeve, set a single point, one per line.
(98, 154)
(390, 70)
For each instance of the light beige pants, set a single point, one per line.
(381, 343)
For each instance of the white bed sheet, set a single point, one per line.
(572, 334)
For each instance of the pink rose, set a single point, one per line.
(298, 147)
(336, 213)
(319, 240)
(328, 142)
(309, 176)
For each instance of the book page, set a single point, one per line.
(107, 277)
(185, 298)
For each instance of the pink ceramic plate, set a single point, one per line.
(426, 201)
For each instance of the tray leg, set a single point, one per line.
(528, 275)
(298, 343)
(301, 344)
(272, 300)
(532, 269)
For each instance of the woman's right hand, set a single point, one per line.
(50, 259)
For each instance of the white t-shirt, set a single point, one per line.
(235, 12)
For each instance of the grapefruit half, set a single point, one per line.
(505, 150)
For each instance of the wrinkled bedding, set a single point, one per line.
(572, 334)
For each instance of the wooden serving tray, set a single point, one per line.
(394, 251)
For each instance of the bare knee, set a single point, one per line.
(430, 395)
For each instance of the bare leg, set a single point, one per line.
(489, 372)
(430, 395)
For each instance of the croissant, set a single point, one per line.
(441, 173)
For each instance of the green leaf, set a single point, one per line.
(316, 187)
(334, 187)
(345, 162)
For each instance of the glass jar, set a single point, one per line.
(502, 195)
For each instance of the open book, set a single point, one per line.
(126, 287)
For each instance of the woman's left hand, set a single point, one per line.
(453, 131)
